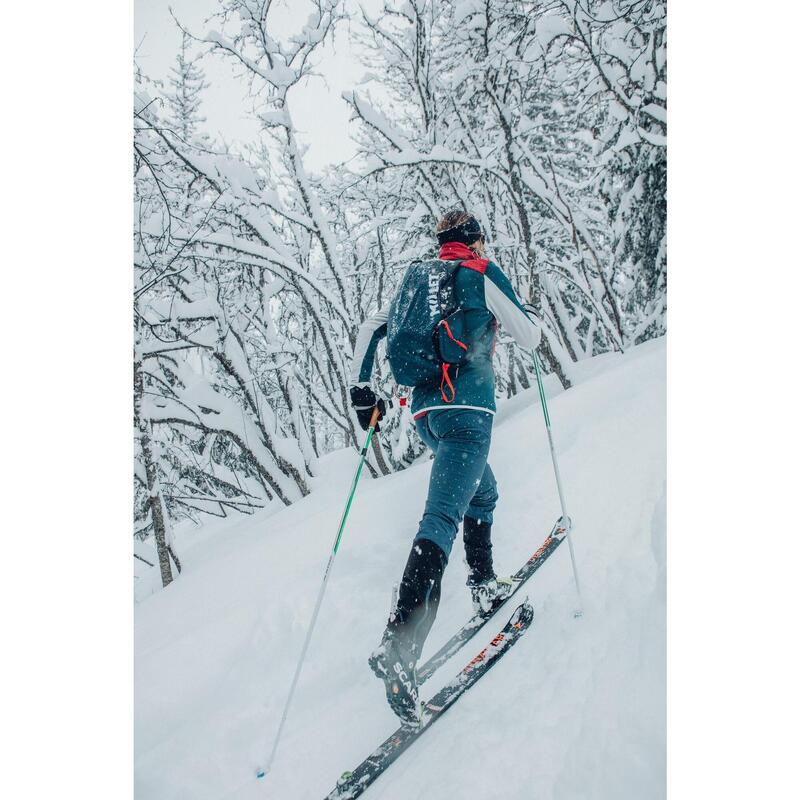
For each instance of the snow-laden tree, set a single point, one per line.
(498, 106)
(618, 52)
(245, 318)
(546, 119)
(282, 224)
(187, 82)
(218, 393)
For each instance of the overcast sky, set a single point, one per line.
(317, 108)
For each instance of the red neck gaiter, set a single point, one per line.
(456, 251)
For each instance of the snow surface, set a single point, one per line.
(576, 710)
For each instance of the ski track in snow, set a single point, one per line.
(576, 711)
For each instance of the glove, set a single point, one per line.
(364, 400)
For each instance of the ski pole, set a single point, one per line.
(565, 516)
(371, 430)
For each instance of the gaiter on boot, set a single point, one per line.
(419, 594)
(478, 550)
(395, 659)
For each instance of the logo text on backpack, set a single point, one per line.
(433, 294)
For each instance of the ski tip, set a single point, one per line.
(523, 615)
(563, 527)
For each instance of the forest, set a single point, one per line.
(252, 272)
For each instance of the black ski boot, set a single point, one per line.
(487, 590)
(395, 660)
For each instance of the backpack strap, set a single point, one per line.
(446, 308)
(447, 283)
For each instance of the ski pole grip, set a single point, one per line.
(374, 419)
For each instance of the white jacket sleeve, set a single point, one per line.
(372, 330)
(502, 301)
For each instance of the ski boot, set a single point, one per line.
(489, 594)
(487, 590)
(395, 659)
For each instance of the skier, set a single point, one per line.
(440, 329)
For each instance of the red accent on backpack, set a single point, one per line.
(450, 334)
(478, 264)
(448, 383)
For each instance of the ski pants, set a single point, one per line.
(461, 480)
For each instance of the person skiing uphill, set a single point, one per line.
(440, 329)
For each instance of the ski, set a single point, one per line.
(353, 784)
(475, 623)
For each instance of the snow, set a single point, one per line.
(464, 10)
(654, 138)
(551, 27)
(655, 111)
(377, 119)
(575, 710)
(627, 137)
(279, 75)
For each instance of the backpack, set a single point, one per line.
(425, 329)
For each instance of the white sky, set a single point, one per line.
(320, 114)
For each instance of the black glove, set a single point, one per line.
(364, 400)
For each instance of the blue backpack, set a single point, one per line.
(425, 329)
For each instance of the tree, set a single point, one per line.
(252, 275)
(188, 82)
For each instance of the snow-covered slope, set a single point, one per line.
(576, 710)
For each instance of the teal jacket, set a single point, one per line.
(487, 298)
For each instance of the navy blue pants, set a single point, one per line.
(461, 481)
